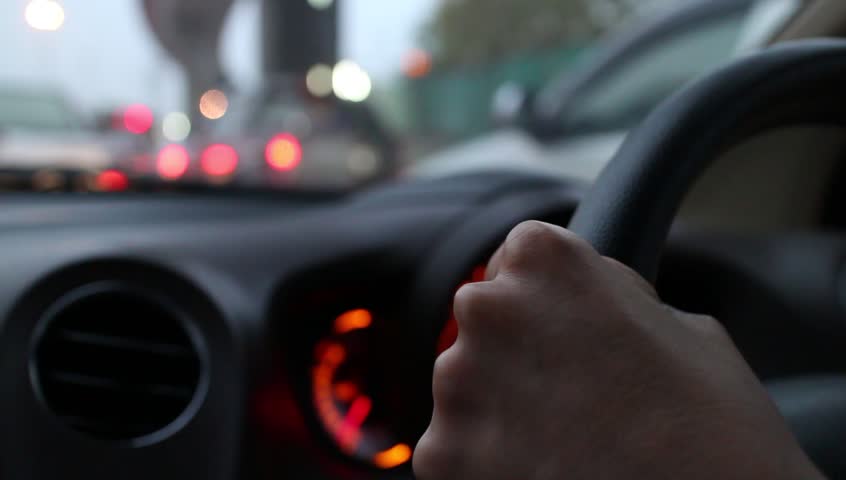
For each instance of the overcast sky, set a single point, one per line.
(105, 54)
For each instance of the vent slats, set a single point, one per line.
(116, 385)
(123, 343)
(117, 364)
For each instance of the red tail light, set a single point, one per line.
(172, 162)
(219, 160)
(284, 152)
(138, 119)
(112, 181)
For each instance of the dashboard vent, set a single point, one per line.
(116, 363)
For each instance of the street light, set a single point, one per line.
(351, 82)
(213, 104)
(45, 15)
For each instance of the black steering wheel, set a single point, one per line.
(628, 213)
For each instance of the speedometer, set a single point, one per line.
(364, 387)
(353, 399)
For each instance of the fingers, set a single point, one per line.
(464, 383)
(478, 309)
(438, 453)
(538, 293)
(493, 265)
(456, 380)
(538, 248)
(537, 264)
(437, 459)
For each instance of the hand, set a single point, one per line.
(569, 367)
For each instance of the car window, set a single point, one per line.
(623, 98)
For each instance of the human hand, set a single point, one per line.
(568, 366)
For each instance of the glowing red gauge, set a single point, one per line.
(346, 396)
(450, 331)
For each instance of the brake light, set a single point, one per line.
(219, 160)
(112, 181)
(138, 119)
(284, 152)
(172, 162)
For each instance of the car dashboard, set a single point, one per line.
(199, 336)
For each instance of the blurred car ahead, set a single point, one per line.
(577, 122)
(46, 144)
(282, 136)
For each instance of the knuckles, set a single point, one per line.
(536, 245)
(478, 306)
(708, 327)
(440, 452)
(435, 457)
(495, 312)
(451, 383)
(536, 264)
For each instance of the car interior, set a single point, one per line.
(292, 334)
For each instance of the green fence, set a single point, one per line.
(456, 104)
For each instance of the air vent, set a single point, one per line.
(116, 363)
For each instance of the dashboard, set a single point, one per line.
(292, 336)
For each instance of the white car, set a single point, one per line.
(47, 145)
(39, 130)
(576, 123)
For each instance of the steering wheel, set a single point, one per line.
(628, 213)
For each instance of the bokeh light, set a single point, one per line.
(393, 457)
(283, 152)
(353, 320)
(172, 162)
(350, 82)
(138, 119)
(320, 4)
(219, 160)
(176, 126)
(417, 63)
(319, 80)
(112, 181)
(44, 15)
(213, 104)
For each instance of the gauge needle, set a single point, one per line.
(350, 430)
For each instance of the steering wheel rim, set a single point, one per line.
(628, 213)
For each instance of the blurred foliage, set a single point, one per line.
(469, 32)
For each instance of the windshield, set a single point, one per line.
(319, 94)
